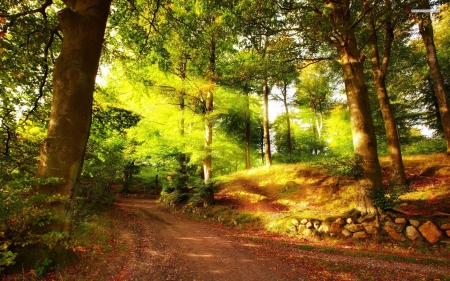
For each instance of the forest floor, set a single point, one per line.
(152, 243)
(139, 239)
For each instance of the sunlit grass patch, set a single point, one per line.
(250, 197)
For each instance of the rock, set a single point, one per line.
(295, 222)
(316, 224)
(412, 233)
(445, 226)
(399, 227)
(340, 221)
(374, 223)
(309, 225)
(365, 218)
(346, 233)
(335, 228)
(304, 221)
(354, 227)
(291, 228)
(447, 232)
(324, 228)
(393, 233)
(360, 235)
(300, 228)
(414, 223)
(400, 220)
(307, 232)
(371, 229)
(349, 220)
(431, 232)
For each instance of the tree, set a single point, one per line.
(314, 91)
(283, 85)
(337, 29)
(426, 31)
(379, 71)
(83, 25)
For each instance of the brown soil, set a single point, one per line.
(152, 243)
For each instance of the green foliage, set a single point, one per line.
(341, 166)
(42, 268)
(7, 258)
(23, 220)
(425, 146)
(387, 198)
(174, 197)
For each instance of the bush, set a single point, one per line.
(425, 146)
(23, 221)
(341, 166)
(387, 199)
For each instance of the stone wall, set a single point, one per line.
(398, 227)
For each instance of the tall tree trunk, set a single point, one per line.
(288, 120)
(247, 132)
(83, 25)
(261, 143)
(182, 157)
(209, 107)
(318, 118)
(267, 153)
(364, 141)
(209, 102)
(379, 71)
(426, 31)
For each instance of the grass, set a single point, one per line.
(270, 198)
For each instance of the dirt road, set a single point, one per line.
(154, 244)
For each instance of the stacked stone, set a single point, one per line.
(398, 228)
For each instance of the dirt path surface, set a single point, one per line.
(154, 244)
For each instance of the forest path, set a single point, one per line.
(154, 244)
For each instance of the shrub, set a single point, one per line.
(346, 166)
(425, 146)
(23, 221)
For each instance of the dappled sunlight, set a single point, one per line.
(251, 197)
(286, 202)
(200, 255)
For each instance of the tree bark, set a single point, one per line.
(83, 25)
(182, 157)
(364, 141)
(209, 103)
(426, 31)
(247, 133)
(288, 119)
(267, 153)
(379, 71)
(209, 107)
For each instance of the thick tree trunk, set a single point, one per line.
(426, 31)
(379, 71)
(83, 25)
(364, 141)
(267, 153)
